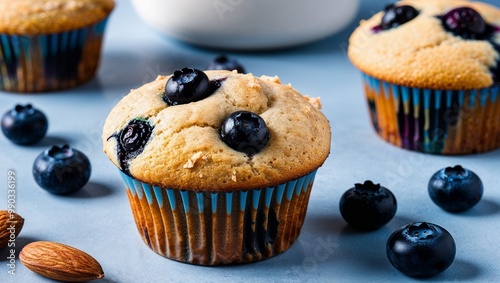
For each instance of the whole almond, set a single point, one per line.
(60, 262)
(10, 226)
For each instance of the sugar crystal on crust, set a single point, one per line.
(274, 79)
(314, 101)
(192, 161)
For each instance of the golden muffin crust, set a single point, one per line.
(185, 150)
(36, 17)
(421, 53)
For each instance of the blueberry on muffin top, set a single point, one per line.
(246, 132)
(447, 44)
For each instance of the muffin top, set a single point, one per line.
(180, 146)
(35, 17)
(446, 44)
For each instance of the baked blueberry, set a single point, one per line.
(368, 206)
(245, 131)
(395, 16)
(24, 124)
(135, 135)
(131, 140)
(421, 249)
(61, 169)
(185, 86)
(465, 22)
(455, 189)
(223, 62)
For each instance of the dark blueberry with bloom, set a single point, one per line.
(131, 141)
(466, 23)
(24, 125)
(245, 131)
(421, 249)
(61, 169)
(185, 86)
(395, 16)
(455, 189)
(368, 206)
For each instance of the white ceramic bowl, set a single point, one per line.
(247, 24)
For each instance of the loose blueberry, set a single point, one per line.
(245, 131)
(223, 62)
(368, 206)
(131, 140)
(185, 86)
(397, 15)
(421, 249)
(455, 189)
(465, 22)
(24, 125)
(61, 170)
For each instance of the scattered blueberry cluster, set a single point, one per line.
(419, 249)
(59, 170)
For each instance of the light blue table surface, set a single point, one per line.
(98, 220)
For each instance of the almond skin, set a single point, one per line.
(9, 223)
(60, 262)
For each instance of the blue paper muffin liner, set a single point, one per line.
(435, 121)
(50, 61)
(212, 228)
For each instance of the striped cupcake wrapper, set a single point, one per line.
(435, 121)
(51, 61)
(219, 228)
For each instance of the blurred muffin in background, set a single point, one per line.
(50, 45)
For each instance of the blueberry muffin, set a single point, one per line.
(50, 45)
(431, 74)
(218, 165)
